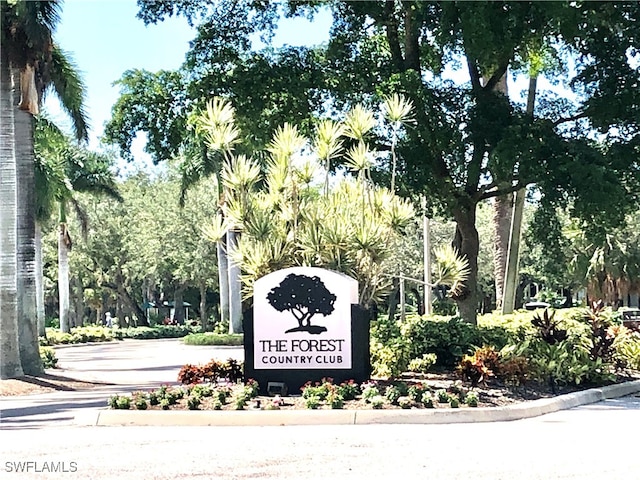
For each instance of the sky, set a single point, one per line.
(105, 39)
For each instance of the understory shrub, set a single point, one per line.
(209, 338)
(90, 333)
(212, 372)
(158, 331)
(48, 356)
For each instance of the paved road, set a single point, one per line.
(595, 442)
(156, 362)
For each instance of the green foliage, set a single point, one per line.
(454, 402)
(80, 335)
(193, 402)
(348, 390)
(626, 349)
(448, 339)
(427, 400)
(422, 364)
(443, 396)
(471, 399)
(377, 402)
(312, 402)
(139, 400)
(335, 400)
(158, 331)
(48, 356)
(209, 338)
(369, 391)
(417, 391)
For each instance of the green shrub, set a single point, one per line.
(427, 400)
(454, 402)
(369, 390)
(335, 400)
(471, 399)
(626, 349)
(348, 390)
(209, 338)
(48, 356)
(158, 331)
(91, 333)
(405, 402)
(377, 402)
(312, 402)
(449, 339)
(443, 396)
(417, 390)
(193, 402)
(123, 403)
(140, 402)
(422, 364)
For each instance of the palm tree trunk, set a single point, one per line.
(63, 276)
(26, 230)
(10, 364)
(40, 313)
(223, 280)
(235, 295)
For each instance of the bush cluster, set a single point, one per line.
(212, 372)
(209, 338)
(48, 356)
(158, 331)
(87, 334)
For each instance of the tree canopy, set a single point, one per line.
(469, 143)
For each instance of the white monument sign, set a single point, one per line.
(302, 319)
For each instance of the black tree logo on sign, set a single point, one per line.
(304, 297)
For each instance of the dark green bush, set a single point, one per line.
(449, 339)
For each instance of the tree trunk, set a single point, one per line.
(223, 280)
(501, 227)
(468, 245)
(512, 273)
(203, 307)
(178, 305)
(40, 313)
(502, 208)
(64, 245)
(10, 364)
(26, 231)
(235, 294)
(393, 300)
(78, 304)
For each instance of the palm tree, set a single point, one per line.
(28, 49)
(65, 169)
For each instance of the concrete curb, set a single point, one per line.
(355, 417)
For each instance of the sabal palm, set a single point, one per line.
(65, 169)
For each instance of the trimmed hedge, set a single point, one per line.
(159, 331)
(209, 338)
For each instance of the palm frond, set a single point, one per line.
(451, 269)
(286, 141)
(398, 109)
(358, 122)
(240, 174)
(216, 230)
(69, 87)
